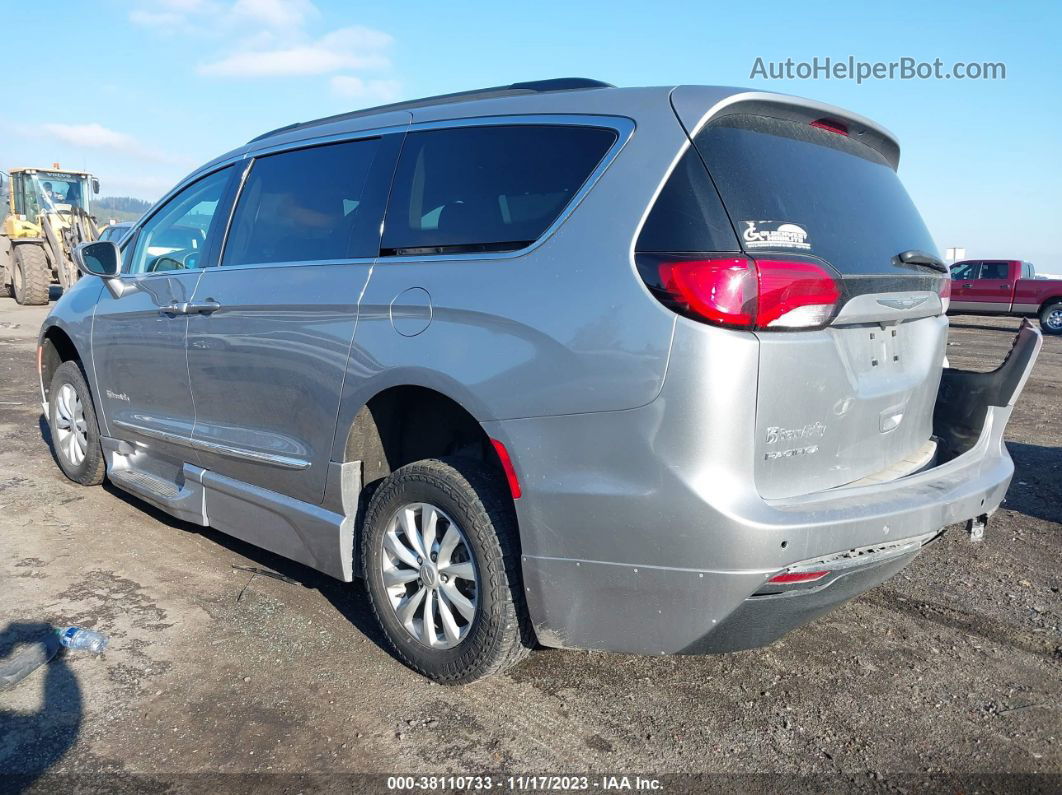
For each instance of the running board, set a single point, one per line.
(178, 492)
(310, 534)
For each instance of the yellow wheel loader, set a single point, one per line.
(49, 213)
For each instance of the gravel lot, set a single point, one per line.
(953, 667)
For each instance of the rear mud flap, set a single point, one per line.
(965, 397)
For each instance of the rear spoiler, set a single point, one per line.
(695, 106)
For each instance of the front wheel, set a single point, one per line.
(441, 560)
(1051, 318)
(72, 421)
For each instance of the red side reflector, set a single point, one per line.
(798, 576)
(945, 293)
(507, 465)
(831, 126)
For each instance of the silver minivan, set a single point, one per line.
(650, 370)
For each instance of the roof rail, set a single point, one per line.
(513, 89)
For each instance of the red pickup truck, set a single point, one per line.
(1006, 287)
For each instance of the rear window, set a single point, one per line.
(791, 187)
(306, 205)
(487, 188)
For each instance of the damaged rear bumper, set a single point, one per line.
(678, 558)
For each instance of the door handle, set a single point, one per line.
(967, 285)
(207, 307)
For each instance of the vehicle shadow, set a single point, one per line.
(1036, 489)
(349, 598)
(31, 742)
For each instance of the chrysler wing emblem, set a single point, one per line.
(903, 303)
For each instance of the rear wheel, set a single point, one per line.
(441, 561)
(31, 277)
(75, 432)
(1051, 318)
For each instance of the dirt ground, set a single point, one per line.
(953, 667)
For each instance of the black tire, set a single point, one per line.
(1051, 318)
(31, 277)
(90, 469)
(499, 634)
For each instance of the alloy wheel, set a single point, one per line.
(70, 427)
(429, 575)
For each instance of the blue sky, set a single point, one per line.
(144, 90)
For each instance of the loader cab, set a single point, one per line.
(34, 191)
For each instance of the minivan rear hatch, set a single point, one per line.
(853, 401)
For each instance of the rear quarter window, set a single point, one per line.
(491, 188)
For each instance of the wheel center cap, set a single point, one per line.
(429, 575)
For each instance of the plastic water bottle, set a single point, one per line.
(80, 639)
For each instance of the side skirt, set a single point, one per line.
(300, 531)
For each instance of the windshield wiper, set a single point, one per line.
(916, 257)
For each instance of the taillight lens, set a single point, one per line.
(945, 294)
(722, 291)
(743, 293)
(795, 295)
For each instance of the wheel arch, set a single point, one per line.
(402, 423)
(1051, 299)
(54, 347)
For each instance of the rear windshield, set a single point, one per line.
(487, 188)
(790, 187)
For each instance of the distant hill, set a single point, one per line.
(122, 204)
(119, 208)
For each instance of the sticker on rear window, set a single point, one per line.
(774, 234)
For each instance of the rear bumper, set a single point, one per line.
(642, 531)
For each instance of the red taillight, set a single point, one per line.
(720, 290)
(507, 466)
(945, 294)
(790, 577)
(794, 294)
(831, 126)
(742, 293)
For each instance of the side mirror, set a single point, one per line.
(98, 259)
(95, 185)
(103, 259)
